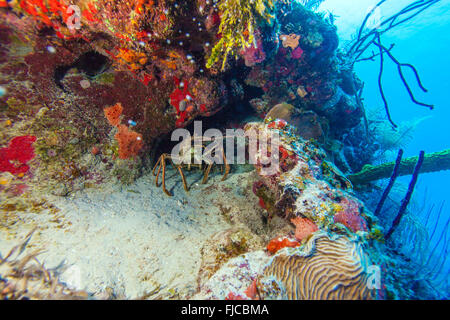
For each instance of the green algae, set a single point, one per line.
(433, 162)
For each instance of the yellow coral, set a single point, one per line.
(237, 26)
(135, 60)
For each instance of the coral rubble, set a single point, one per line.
(26, 278)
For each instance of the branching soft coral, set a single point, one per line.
(237, 27)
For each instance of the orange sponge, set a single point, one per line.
(278, 243)
(130, 142)
(113, 114)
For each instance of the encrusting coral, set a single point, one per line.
(290, 40)
(113, 114)
(303, 176)
(280, 243)
(304, 228)
(433, 162)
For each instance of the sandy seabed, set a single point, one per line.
(134, 241)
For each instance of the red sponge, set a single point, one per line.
(14, 158)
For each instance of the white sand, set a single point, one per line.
(137, 243)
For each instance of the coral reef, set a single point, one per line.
(325, 267)
(303, 176)
(92, 98)
(329, 256)
(163, 64)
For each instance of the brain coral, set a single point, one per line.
(323, 269)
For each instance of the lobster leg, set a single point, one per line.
(180, 170)
(161, 160)
(227, 166)
(208, 169)
(157, 163)
(164, 177)
(183, 178)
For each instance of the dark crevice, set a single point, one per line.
(90, 63)
(235, 114)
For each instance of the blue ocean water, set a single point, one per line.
(425, 43)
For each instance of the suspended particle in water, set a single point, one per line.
(51, 49)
